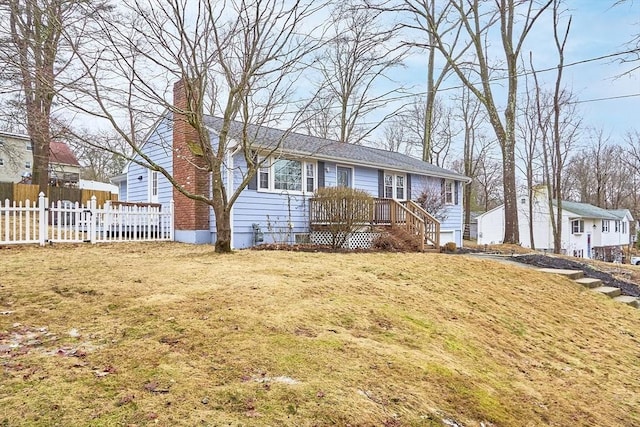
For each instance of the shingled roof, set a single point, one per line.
(326, 149)
(585, 210)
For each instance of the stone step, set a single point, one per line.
(589, 282)
(571, 274)
(609, 291)
(626, 299)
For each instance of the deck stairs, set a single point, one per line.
(595, 285)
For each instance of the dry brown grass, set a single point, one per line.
(170, 334)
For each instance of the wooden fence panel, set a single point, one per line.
(64, 193)
(24, 192)
(20, 193)
(101, 196)
(6, 191)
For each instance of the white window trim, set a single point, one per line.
(452, 183)
(606, 226)
(394, 184)
(153, 198)
(269, 162)
(580, 227)
(353, 174)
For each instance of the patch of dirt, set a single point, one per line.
(608, 279)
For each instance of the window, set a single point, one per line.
(605, 225)
(523, 201)
(577, 226)
(400, 187)
(287, 175)
(394, 186)
(152, 186)
(29, 147)
(624, 227)
(311, 177)
(448, 192)
(27, 165)
(263, 175)
(344, 177)
(154, 183)
(388, 186)
(616, 226)
(1, 162)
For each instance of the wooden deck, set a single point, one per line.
(383, 213)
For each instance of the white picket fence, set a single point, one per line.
(65, 222)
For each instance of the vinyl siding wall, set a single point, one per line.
(279, 215)
(158, 148)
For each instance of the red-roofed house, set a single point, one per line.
(64, 167)
(16, 161)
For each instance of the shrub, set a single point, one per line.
(397, 240)
(449, 247)
(343, 210)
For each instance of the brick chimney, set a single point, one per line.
(189, 171)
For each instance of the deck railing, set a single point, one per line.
(324, 211)
(381, 212)
(431, 224)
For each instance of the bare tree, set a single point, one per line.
(395, 138)
(488, 183)
(99, 164)
(476, 146)
(529, 150)
(592, 169)
(442, 131)
(476, 19)
(355, 63)
(558, 127)
(35, 56)
(632, 56)
(240, 59)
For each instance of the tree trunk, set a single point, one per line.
(429, 105)
(467, 214)
(511, 231)
(223, 225)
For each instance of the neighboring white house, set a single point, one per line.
(584, 226)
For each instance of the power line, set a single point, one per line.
(631, 95)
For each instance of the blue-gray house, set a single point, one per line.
(277, 201)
